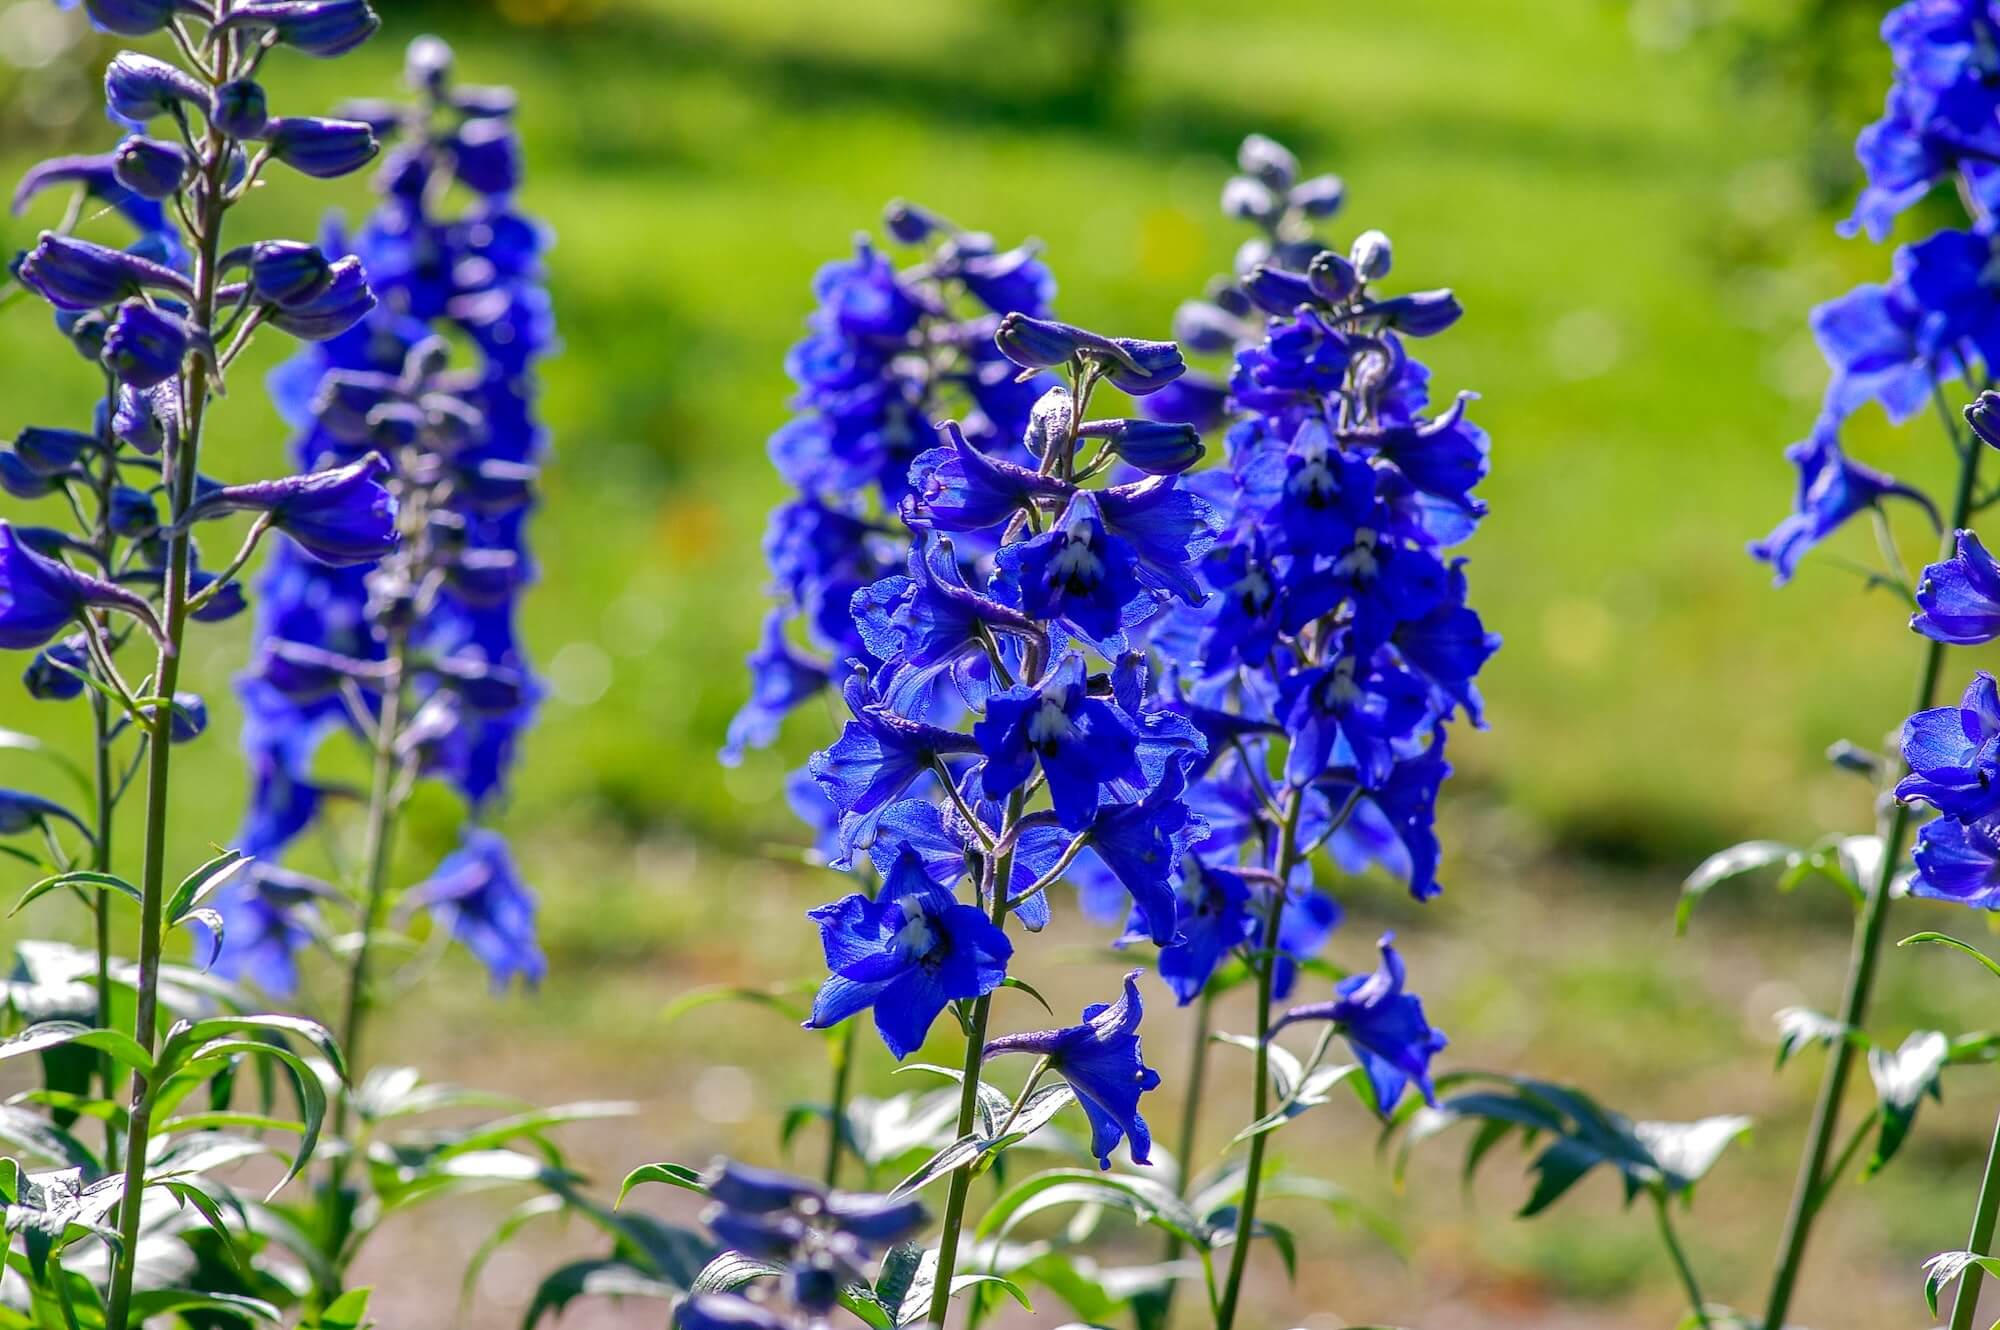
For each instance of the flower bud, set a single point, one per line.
(758, 1190)
(341, 517)
(151, 168)
(875, 1220)
(1207, 328)
(323, 28)
(486, 157)
(51, 676)
(45, 594)
(323, 149)
(346, 400)
(1333, 279)
(1049, 421)
(189, 717)
(130, 18)
(1268, 160)
(1035, 343)
(1276, 291)
(133, 514)
(23, 481)
(1984, 417)
(726, 1311)
(145, 344)
(53, 452)
(346, 301)
(240, 109)
(76, 274)
(1319, 197)
(224, 605)
(1421, 313)
(1371, 255)
(1249, 200)
(1194, 399)
(487, 579)
(140, 422)
(139, 87)
(1156, 448)
(1139, 366)
(288, 272)
(85, 330)
(908, 223)
(770, 1236)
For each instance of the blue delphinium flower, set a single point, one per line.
(1385, 1026)
(1832, 488)
(1958, 600)
(906, 953)
(1102, 1061)
(1954, 754)
(1080, 742)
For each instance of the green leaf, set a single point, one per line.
(673, 1175)
(535, 1207)
(79, 880)
(186, 1193)
(349, 1311)
(1841, 860)
(1902, 1079)
(994, 1103)
(1024, 986)
(732, 1270)
(1725, 864)
(163, 1301)
(1147, 1201)
(185, 1036)
(1945, 940)
(898, 1275)
(198, 885)
(601, 1278)
(58, 1034)
(945, 1162)
(28, 743)
(1946, 1267)
(698, 998)
(311, 1094)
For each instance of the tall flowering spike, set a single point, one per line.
(906, 954)
(1101, 1060)
(1385, 1026)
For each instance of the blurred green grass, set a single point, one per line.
(1637, 244)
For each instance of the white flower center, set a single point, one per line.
(916, 938)
(1076, 564)
(1360, 560)
(1050, 724)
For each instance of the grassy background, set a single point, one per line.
(1636, 232)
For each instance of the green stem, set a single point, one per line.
(103, 777)
(1808, 1191)
(843, 1072)
(1184, 1146)
(1696, 1303)
(185, 458)
(1984, 1216)
(975, 1055)
(1267, 968)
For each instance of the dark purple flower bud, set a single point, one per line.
(1208, 329)
(85, 329)
(1193, 399)
(133, 514)
(224, 605)
(323, 28)
(1276, 291)
(758, 1190)
(130, 18)
(23, 481)
(483, 103)
(1269, 160)
(486, 688)
(1984, 417)
(21, 812)
(1035, 343)
(289, 272)
(190, 718)
(150, 168)
(814, 1284)
(323, 149)
(1320, 196)
(240, 109)
(39, 596)
(140, 87)
(1333, 279)
(53, 452)
(347, 400)
(875, 1220)
(770, 1236)
(1140, 367)
(495, 487)
(76, 274)
(145, 344)
(346, 301)
(1135, 365)
(486, 157)
(1155, 448)
(1249, 200)
(487, 578)
(341, 517)
(1421, 313)
(908, 223)
(306, 673)
(726, 1311)
(53, 674)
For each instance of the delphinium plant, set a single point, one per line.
(108, 605)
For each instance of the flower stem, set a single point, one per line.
(1696, 1303)
(975, 1055)
(183, 459)
(1184, 1146)
(1870, 927)
(1282, 860)
(1984, 1217)
(836, 1117)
